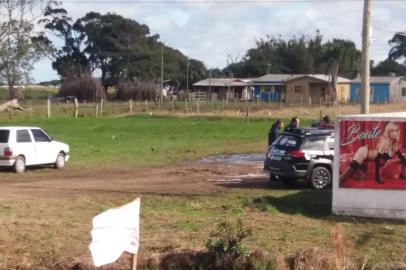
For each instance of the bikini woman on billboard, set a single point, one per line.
(387, 148)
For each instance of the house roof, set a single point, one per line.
(378, 79)
(220, 82)
(275, 77)
(321, 77)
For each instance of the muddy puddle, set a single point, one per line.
(234, 159)
(253, 161)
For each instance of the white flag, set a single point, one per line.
(115, 231)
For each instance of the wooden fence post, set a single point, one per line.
(97, 109)
(30, 108)
(173, 105)
(49, 107)
(101, 107)
(247, 112)
(186, 105)
(76, 108)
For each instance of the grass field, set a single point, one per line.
(284, 222)
(45, 230)
(152, 140)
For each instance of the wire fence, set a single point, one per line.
(71, 108)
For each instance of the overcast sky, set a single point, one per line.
(215, 31)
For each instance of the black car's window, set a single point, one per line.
(4, 134)
(39, 136)
(23, 136)
(314, 143)
(288, 141)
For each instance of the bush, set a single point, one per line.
(137, 90)
(84, 88)
(227, 238)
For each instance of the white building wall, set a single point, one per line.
(366, 202)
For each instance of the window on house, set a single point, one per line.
(298, 89)
(403, 91)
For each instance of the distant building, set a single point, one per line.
(225, 88)
(314, 89)
(271, 87)
(383, 89)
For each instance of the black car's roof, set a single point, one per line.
(302, 132)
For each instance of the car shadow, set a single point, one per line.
(309, 203)
(299, 198)
(262, 183)
(28, 169)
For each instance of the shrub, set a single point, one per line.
(137, 90)
(84, 88)
(227, 238)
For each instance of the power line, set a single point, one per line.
(177, 2)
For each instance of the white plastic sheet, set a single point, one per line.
(115, 231)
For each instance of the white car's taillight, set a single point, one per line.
(8, 152)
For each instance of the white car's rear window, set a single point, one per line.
(4, 134)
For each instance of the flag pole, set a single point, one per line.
(134, 262)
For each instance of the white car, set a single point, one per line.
(26, 146)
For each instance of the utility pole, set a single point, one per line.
(162, 68)
(187, 75)
(210, 84)
(365, 58)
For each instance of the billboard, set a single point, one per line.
(372, 154)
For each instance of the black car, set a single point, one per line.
(305, 153)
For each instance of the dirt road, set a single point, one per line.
(187, 178)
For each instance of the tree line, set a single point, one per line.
(122, 50)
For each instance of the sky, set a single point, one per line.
(217, 32)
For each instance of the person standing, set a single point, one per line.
(274, 131)
(294, 123)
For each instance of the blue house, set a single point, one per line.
(383, 89)
(270, 87)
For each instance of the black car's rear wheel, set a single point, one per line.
(320, 177)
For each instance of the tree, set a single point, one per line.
(70, 61)
(398, 50)
(273, 54)
(115, 45)
(341, 57)
(19, 47)
(121, 48)
(387, 67)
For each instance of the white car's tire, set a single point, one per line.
(60, 161)
(19, 164)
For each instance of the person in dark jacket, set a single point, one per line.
(294, 123)
(274, 131)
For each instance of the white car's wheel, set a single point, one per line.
(60, 161)
(19, 164)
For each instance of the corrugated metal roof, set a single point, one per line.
(276, 77)
(221, 82)
(378, 79)
(321, 77)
